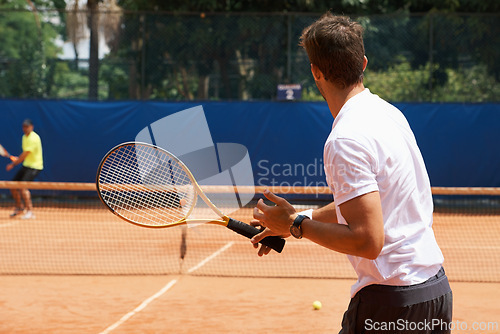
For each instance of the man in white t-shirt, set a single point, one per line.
(382, 215)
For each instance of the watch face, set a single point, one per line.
(295, 231)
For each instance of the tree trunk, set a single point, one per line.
(94, 49)
(203, 85)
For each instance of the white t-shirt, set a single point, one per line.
(372, 148)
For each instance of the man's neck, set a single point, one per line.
(337, 98)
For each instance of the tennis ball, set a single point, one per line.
(202, 15)
(317, 305)
(183, 202)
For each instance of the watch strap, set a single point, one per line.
(296, 227)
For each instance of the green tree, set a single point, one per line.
(174, 55)
(27, 40)
(350, 7)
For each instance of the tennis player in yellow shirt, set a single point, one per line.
(32, 165)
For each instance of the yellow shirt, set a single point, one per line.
(33, 144)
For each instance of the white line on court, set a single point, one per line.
(10, 224)
(162, 291)
(140, 307)
(202, 263)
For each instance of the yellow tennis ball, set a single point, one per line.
(183, 202)
(317, 305)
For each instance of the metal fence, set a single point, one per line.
(197, 56)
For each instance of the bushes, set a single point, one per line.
(401, 83)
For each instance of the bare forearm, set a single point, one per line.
(338, 237)
(325, 214)
(21, 157)
(363, 235)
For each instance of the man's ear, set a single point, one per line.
(316, 72)
(365, 62)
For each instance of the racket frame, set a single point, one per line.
(198, 192)
(244, 229)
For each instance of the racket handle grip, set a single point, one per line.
(249, 231)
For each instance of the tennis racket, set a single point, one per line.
(147, 186)
(4, 153)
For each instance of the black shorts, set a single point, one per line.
(26, 174)
(389, 309)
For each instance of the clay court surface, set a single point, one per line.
(104, 298)
(92, 304)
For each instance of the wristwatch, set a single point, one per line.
(296, 228)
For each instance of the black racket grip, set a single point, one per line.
(249, 231)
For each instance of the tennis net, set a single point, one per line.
(74, 233)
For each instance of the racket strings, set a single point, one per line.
(117, 171)
(146, 185)
(147, 200)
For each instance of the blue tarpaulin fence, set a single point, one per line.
(459, 142)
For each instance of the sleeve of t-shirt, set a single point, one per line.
(351, 170)
(30, 145)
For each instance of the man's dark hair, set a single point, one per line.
(335, 45)
(28, 122)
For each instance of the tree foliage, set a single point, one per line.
(351, 7)
(27, 41)
(241, 49)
